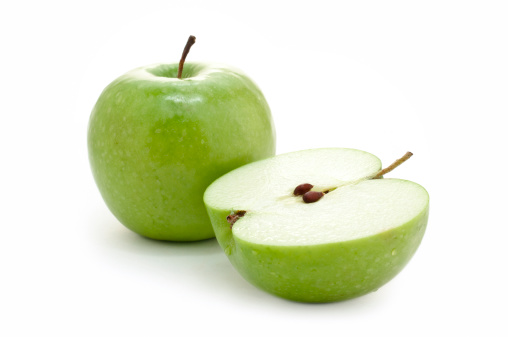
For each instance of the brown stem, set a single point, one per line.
(190, 42)
(313, 196)
(393, 166)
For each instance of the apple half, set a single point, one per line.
(354, 239)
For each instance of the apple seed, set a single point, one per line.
(302, 189)
(312, 196)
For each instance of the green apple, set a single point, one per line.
(156, 142)
(355, 236)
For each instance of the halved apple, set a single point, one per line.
(356, 237)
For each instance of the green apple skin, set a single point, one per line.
(156, 142)
(322, 273)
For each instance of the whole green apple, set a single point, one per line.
(156, 142)
(317, 225)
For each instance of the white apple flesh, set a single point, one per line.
(353, 240)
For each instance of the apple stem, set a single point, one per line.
(393, 166)
(190, 42)
(310, 196)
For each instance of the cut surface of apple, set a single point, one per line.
(353, 240)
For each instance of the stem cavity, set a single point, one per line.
(232, 218)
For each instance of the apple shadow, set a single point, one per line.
(202, 262)
(135, 243)
(204, 265)
(108, 233)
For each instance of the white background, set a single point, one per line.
(383, 76)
